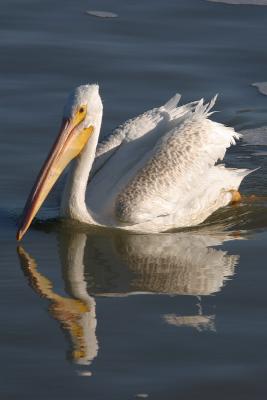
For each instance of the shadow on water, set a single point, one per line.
(248, 216)
(97, 263)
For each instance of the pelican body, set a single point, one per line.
(155, 172)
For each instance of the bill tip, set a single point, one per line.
(19, 235)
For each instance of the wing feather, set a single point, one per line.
(132, 129)
(179, 161)
(127, 149)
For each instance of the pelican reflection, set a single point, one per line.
(177, 263)
(114, 264)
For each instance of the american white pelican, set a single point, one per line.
(154, 173)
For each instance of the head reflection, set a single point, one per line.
(115, 264)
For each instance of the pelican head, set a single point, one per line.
(81, 113)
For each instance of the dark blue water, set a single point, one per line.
(87, 314)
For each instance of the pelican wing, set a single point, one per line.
(167, 177)
(179, 170)
(120, 155)
(153, 122)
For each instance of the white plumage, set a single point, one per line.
(155, 172)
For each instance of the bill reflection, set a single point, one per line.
(76, 314)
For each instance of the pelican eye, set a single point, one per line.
(81, 110)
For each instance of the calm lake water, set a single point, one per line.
(87, 314)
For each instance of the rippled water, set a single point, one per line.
(90, 314)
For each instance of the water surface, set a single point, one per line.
(90, 314)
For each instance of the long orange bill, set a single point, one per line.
(67, 146)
